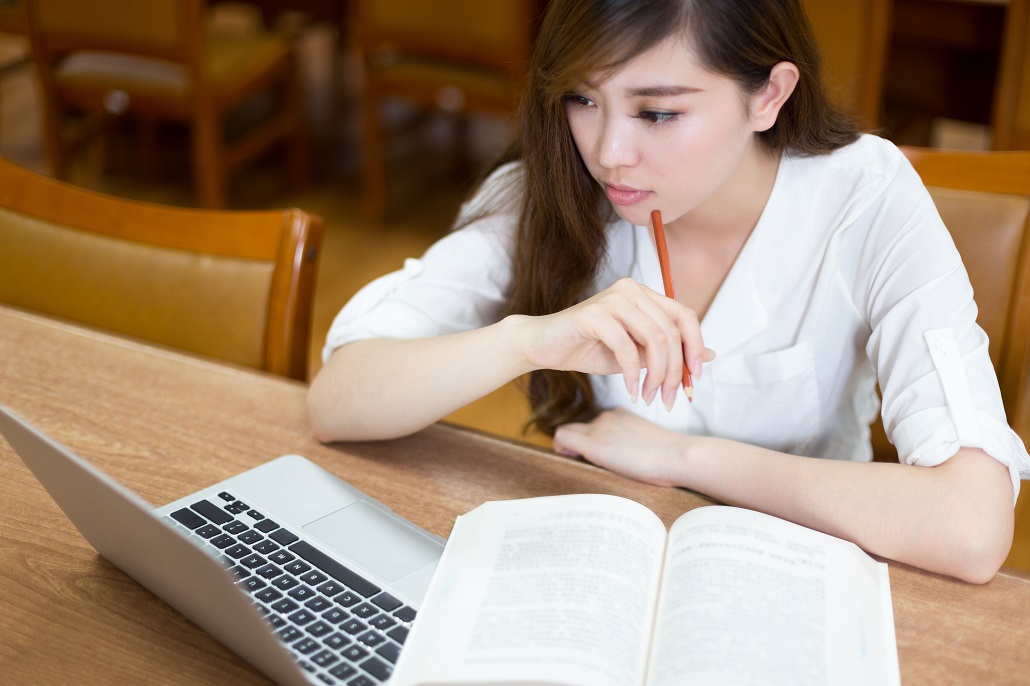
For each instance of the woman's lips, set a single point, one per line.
(620, 195)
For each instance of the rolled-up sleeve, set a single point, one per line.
(940, 390)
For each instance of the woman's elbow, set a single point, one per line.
(978, 564)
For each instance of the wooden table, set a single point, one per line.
(165, 424)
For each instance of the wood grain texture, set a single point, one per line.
(165, 424)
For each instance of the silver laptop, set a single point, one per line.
(303, 575)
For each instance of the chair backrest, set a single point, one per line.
(854, 39)
(235, 285)
(491, 35)
(984, 200)
(167, 29)
(12, 16)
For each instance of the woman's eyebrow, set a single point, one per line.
(660, 91)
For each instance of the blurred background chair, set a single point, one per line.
(233, 285)
(458, 57)
(14, 45)
(158, 61)
(1010, 123)
(984, 200)
(854, 38)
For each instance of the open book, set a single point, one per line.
(591, 590)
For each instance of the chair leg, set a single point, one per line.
(299, 151)
(150, 147)
(56, 154)
(373, 160)
(209, 167)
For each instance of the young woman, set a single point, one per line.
(808, 257)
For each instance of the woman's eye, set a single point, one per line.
(578, 100)
(657, 117)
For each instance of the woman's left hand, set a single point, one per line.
(626, 444)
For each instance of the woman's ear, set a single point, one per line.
(766, 104)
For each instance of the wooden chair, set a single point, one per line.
(227, 284)
(158, 61)
(453, 56)
(854, 38)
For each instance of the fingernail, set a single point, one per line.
(695, 367)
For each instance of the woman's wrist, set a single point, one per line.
(516, 330)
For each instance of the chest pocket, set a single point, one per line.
(770, 399)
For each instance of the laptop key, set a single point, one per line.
(324, 658)
(285, 582)
(268, 595)
(318, 604)
(306, 646)
(269, 571)
(235, 527)
(266, 525)
(302, 593)
(266, 547)
(237, 551)
(211, 511)
(364, 610)
(330, 588)
(371, 638)
(319, 629)
(223, 541)
(208, 530)
(362, 680)
(285, 605)
(347, 598)
(387, 602)
(377, 668)
(336, 641)
(297, 568)
(250, 537)
(354, 626)
(188, 518)
(289, 633)
(281, 557)
(300, 617)
(354, 653)
(253, 584)
(399, 633)
(252, 561)
(334, 615)
(313, 578)
(382, 622)
(405, 614)
(342, 671)
(281, 536)
(389, 652)
(334, 568)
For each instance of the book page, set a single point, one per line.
(752, 599)
(554, 590)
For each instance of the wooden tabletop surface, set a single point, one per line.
(165, 424)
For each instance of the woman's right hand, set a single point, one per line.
(624, 328)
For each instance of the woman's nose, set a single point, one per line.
(616, 147)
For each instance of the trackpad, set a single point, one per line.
(375, 539)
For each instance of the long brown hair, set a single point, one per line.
(561, 237)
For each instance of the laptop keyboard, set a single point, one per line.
(341, 628)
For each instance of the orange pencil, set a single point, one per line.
(663, 262)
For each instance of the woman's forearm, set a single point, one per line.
(955, 518)
(384, 388)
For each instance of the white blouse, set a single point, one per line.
(848, 277)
